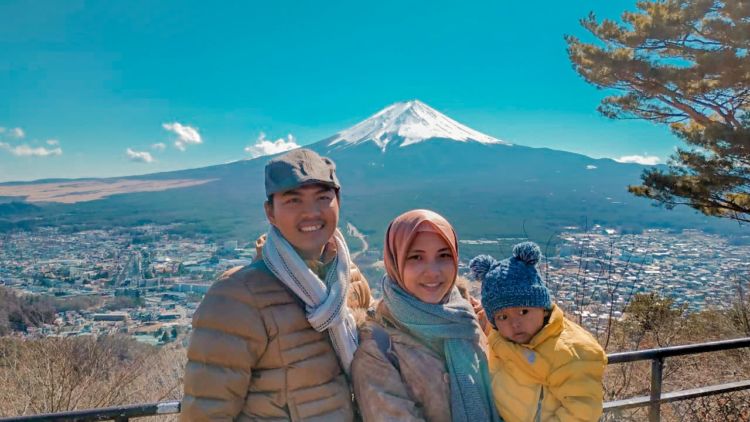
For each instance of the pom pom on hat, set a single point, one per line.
(481, 265)
(527, 252)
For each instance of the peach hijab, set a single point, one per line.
(401, 233)
(450, 326)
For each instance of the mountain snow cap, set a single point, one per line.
(408, 123)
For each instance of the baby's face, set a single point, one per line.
(519, 324)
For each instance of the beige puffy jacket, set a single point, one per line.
(253, 356)
(420, 391)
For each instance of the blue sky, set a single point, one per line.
(87, 81)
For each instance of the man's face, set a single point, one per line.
(306, 217)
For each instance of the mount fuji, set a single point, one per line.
(404, 124)
(406, 156)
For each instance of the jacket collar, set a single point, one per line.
(320, 266)
(553, 328)
(526, 357)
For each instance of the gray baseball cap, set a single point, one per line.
(297, 168)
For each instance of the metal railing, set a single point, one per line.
(657, 356)
(117, 413)
(654, 401)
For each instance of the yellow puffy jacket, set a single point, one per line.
(556, 377)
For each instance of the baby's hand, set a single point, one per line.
(484, 323)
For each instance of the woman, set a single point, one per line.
(420, 356)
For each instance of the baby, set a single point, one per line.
(544, 367)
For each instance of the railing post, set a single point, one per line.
(654, 413)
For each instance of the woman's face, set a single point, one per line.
(429, 269)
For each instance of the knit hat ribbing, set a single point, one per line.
(512, 282)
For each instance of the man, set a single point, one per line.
(274, 340)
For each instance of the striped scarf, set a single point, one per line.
(325, 301)
(453, 324)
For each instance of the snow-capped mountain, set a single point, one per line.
(487, 189)
(407, 123)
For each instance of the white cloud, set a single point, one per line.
(186, 135)
(29, 151)
(53, 142)
(159, 146)
(139, 156)
(647, 160)
(591, 167)
(264, 146)
(17, 132)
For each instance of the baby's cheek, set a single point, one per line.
(504, 328)
(536, 328)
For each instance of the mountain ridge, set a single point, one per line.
(485, 189)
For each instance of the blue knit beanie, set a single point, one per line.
(512, 282)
